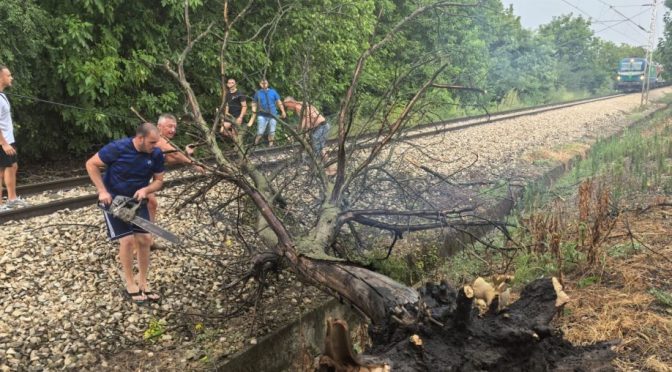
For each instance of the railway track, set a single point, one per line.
(418, 131)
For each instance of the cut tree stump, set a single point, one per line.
(450, 335)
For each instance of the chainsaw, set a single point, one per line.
(125, 209)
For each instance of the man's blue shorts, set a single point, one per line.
(117, 228)
(266, 121)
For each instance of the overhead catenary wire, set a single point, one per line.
(60, 104)
(605, 29)
(632, 5)
(592, 19)
(629, 19)
(611, 27)
(579, 9)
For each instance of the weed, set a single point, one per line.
(588, 281)
(663, 297)
(205, 334)
(624, 250)
(461, 267)
(510, 101)
(408, 269)
(532, 266)
(156, 329)
(571, 256)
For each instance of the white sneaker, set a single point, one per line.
(16, 203)
(4, 207)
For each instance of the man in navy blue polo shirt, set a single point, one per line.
(265, 104)
(131, 164)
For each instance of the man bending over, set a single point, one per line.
(167, 126)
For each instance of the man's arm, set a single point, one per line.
(157, 183)
(6, 147)
(302, 111)
(278, 103)
(175, 157)
(243, 110)
(254, 114)
(226, 110)
(93, 166)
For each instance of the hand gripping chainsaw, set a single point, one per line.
(125, 209)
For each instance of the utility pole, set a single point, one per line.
(649, 53)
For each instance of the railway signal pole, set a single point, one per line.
(649, 53)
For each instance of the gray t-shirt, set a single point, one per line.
(6, 125)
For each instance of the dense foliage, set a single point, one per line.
(94, 59)
(664, 50)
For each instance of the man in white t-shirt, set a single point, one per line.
(8, 161)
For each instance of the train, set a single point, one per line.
(631, 74)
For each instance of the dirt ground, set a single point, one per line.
(626, 296)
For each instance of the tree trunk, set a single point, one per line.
(375, 295)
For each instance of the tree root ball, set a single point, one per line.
(515, 338)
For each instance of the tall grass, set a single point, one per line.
(548, 239)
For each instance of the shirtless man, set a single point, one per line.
(167, 126)
(310, 120)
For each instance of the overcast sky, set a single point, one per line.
(606, 22)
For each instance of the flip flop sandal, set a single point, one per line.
(130, 295)
(148, 295)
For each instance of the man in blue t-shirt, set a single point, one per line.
(131, 164)
(265, 103)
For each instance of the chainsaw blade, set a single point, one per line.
(148, 226)
(156, 230)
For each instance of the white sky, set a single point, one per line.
(606, 22)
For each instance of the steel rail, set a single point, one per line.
(418, 131)
(65, 183)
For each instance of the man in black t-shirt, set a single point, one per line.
(236, 107)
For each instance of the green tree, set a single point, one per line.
(664, 50)
(519, 60)
(574, 47)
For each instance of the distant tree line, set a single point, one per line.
(80, 65)
(663, 52)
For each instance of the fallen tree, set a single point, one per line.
(443, 319)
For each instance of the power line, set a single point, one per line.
(579, 9)
(591, 18)
(69, 106)
(621, 22)
(621, 33)
(623, 15)
(633, 5)
(595, 21)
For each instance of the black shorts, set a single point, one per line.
(7, 160)
(117, 228)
